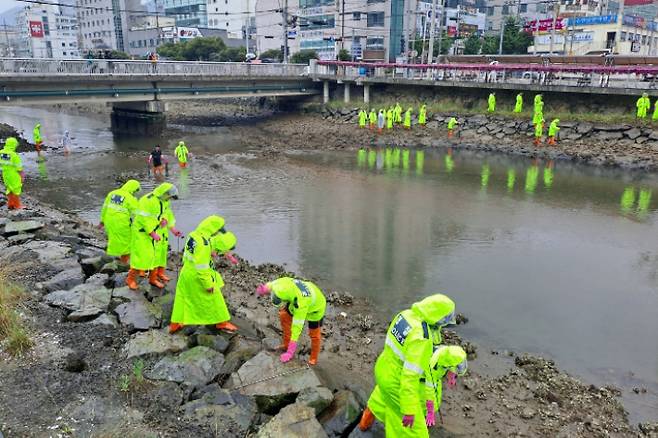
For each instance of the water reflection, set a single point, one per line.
(548, 175)
(511, 179)
(420, 162)
(627, 202)
(484, 178)
(43, 170)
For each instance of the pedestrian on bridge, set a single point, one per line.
(298, 302)
(372, 119)
(117, 213)
(181, 153)
(363, 118)
(422, 115)
(643, 104)
(553, 130)
(407, 118)
(12, 173)
(452, 123)
(491, 101)
(519, 103)
(199, 299)
(38, 141)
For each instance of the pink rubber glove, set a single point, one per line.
(408, 421)
(231, 258)
(452, 379)
(101, 225)
(213, 254)
(163, 223)
(262, 290)
(155, 236)
(176, 232)
(430, 419)
(292, 347)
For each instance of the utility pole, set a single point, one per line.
(502, 32)
(414, 33)
(620, 20)
(441, 18)
(430, 53)
(342, 26)
(246, 28)
(284, 14)
(556, 11)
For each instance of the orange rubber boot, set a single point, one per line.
(367, 418)
(131, 281)
(316, 344)
(174, 327)
(286, 324)
(161, 274)
(125, 259)
(142, 273)
(227, 326)
(153, 279)
(10, 201)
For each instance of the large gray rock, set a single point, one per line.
(154, 342)
(22, 227)
(227, 414)
(342, 412)
(97, 416)
(293, 421)
(584, 128)
(56, 255)
(135, 310)
(239, 352)
(215, 342)
(318, 398)
(64, 280)
(84, 301)
(288, 380)
(93, 265)
(633, 133)
(194, 367)
(376, 431)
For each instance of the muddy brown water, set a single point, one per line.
(545, 257)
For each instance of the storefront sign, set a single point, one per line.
(36, 29)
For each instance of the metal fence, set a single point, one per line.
(104, 67)
(641, 77)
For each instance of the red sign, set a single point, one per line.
(36, 29)
(637, 2)
(544, 25)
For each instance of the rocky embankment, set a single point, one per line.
(103, 363)
(10, 131)
(621, 145)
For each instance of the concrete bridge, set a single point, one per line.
(139, 90)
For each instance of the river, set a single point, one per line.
(545, 257)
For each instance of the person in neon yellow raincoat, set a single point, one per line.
(372, 119)
(397, 113)
(654, 117)
(422, 115)
(553, 130)
(363, 118)
(300, 301)
(167, 223)
(390, 118)
(199, 299)
(407, 119)
(38, 141)
(403, 364)
(116, 216)
(518, 107)
(12, 173)
(146, 232)
(491, 103)
(643, 104)
(181, 153)
(452, 123)
(446, 360)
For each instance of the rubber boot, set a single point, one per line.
(153, 279)
(174, 327)
(227, 326)
(161, 275)
(131, 280)
(316, 344)
(367, 418)
(142, 273)
(286, 324)
(125, 259)
(10, 201)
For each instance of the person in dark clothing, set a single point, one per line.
(155, 160)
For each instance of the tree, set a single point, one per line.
(303, 56)
(230, 54)
(490, 45)
(515, 39)
(200, 49)
(472, 44)
(344, 55)
(272, 54)
(171, 51)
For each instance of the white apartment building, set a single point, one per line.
(105, 23)
(47, 31)
(232, 15)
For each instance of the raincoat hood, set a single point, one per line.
(165, 188)
(181, 143)
(131, 186)
(226, 241)
(556, 121)
(37, 126)
(434, 308)
(11, 144)
(449, 357)
(210, 225)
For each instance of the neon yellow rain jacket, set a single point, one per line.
(422, 115)
(304, 300)
(150, 211)
(117, 215)
(181, 152)
(11, 166)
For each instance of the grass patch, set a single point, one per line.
(14, 336)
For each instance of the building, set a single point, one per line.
(104, 24)
(597, 34)
(47, 31)
(188, 13)
(497, 10)
(233, 16)
(458, 22)
(142, 41)
(9, 41)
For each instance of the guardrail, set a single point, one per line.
(641, 77)
(105, 67)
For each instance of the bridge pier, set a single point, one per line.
(366, 93)
(325, 92)
(139, 118)
(346, 88)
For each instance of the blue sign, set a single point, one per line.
(584, 21)
(400, 329)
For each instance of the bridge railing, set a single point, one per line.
(104, 67)
(641, 77)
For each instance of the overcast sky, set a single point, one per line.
(7, 4)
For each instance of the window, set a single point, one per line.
(151, 42)
(490, 10)
(317, 22)
(63, 44)
(376, 1)
(356, 16)
(64, 53)
(375, 19)
(315, 3)
(524, 8)
(644, 39)
(505, 9)
(375, 43)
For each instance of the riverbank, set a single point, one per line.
(621, 145)
(103, 363)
